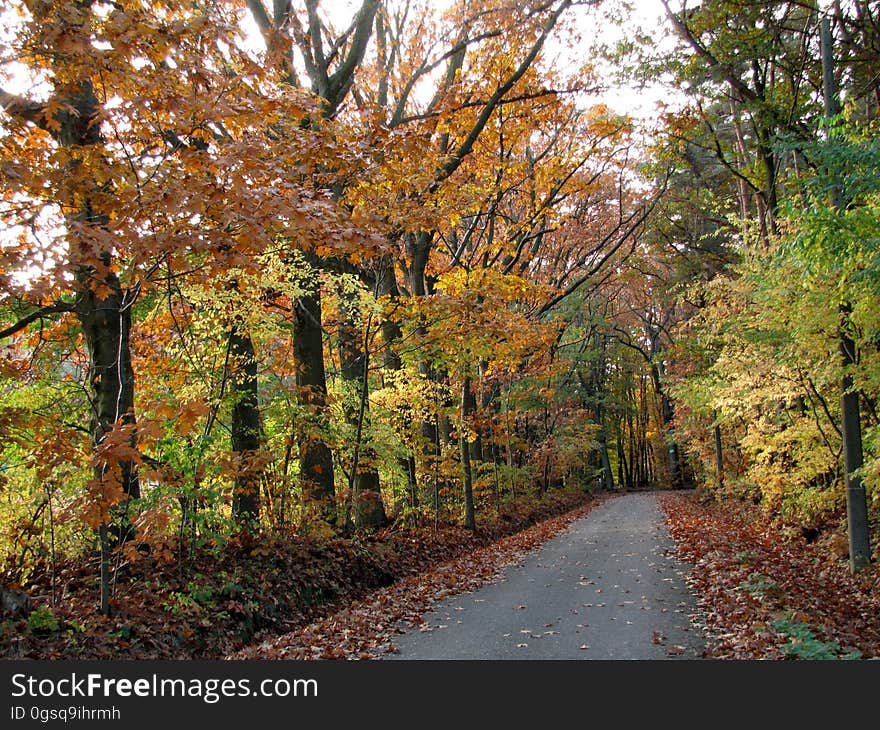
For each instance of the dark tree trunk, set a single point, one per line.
(719, 456)
(467, 477)
(104, 313)
(245, 427)
(476, 446)
(315, 458)
(858, 529)
(605, 461)
(667, 412)
(856, 500)
(106, 326)
(418, 248)
(386, 286)
(102, 307)
(621, 462)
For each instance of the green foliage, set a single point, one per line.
(803, 643)
(761, 586)
(836, 226)
(43, 618)
(768, 337)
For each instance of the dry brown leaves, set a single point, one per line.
(749, 576)
(366, 628)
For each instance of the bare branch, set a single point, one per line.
(340, 82)
(39, 314)
(630, 231)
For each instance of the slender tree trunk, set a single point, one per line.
(595, 387)
(366, 496)
(104, 542)
(719, 456)
(632, 475)
(386, 286)
(475, 447)
(667, 413)
(245, 427)
(464, 447)
(607, 474)
(418, 248)
(856, 500)
(509, 447)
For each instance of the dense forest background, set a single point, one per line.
(304, 271)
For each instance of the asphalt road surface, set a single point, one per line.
(608, 587)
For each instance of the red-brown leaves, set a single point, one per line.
(756, 586)
(208, 602)
(367, 627)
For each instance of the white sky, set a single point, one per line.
(647, 14)
(639, 103)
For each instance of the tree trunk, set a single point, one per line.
(106, 326)
(245, 427)
(418, 247)
(386, 286)
(102, 307)
(667, 412)
(719, 456)
(466, 399)
(621, 461)
(315, 458)
(476, 446)
(607, 474)
(856, 501)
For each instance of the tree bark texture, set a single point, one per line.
(315, 458)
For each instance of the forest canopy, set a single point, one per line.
(289, 269)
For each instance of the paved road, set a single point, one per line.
(608, 587)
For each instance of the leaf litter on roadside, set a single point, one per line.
(763, 595)
(365, 629)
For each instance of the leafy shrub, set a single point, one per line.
(43, 619)
(803, 643)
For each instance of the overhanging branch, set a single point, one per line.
(56, 308)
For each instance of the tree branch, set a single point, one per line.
(340, 82)
(56, 308)
(23, 109)
(574, 286)
(746, 94)
(467, 145)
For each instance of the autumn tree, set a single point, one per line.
(147, 145)
(303, 41)
(457, 118)
(749, 375)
